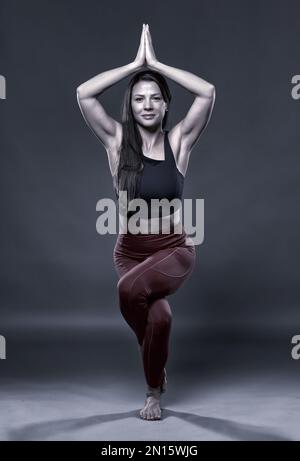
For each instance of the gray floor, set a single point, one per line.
(81, 387)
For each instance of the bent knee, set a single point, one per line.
(123, 289)
(163, 322)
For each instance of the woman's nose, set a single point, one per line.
(148, 105)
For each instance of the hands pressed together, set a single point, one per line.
(145, 55)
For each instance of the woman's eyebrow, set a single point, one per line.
(153, 94)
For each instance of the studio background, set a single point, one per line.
(233, 320)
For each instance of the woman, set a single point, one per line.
(148, 162)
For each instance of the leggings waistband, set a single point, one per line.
(147, 244)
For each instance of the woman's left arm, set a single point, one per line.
(198, 116)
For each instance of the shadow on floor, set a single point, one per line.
(233, 430)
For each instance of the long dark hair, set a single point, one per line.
(130, 156)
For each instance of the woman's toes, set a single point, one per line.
(142, 413)
(151, 411)
(155, 414)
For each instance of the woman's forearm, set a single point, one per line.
(196, 85)
(101, 82)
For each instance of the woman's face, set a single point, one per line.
(148, 105)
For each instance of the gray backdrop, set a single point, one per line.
(58, 283)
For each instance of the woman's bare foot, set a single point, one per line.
(152, 409)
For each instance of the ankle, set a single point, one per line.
(154, 392)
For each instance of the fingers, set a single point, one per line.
(147, 32)
(143, 33)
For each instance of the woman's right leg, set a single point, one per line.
(155, 347)
(159, 313)
(142, 290)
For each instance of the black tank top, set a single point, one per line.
(160, 179)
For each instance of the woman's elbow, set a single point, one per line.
(78, 92)
(212, 92)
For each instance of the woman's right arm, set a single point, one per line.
(108, 130)
(102, 125)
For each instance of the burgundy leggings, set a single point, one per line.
(151, 267)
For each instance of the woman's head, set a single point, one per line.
(146, 93)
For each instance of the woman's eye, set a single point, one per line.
(157, 98)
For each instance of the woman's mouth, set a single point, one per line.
(148, 116)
